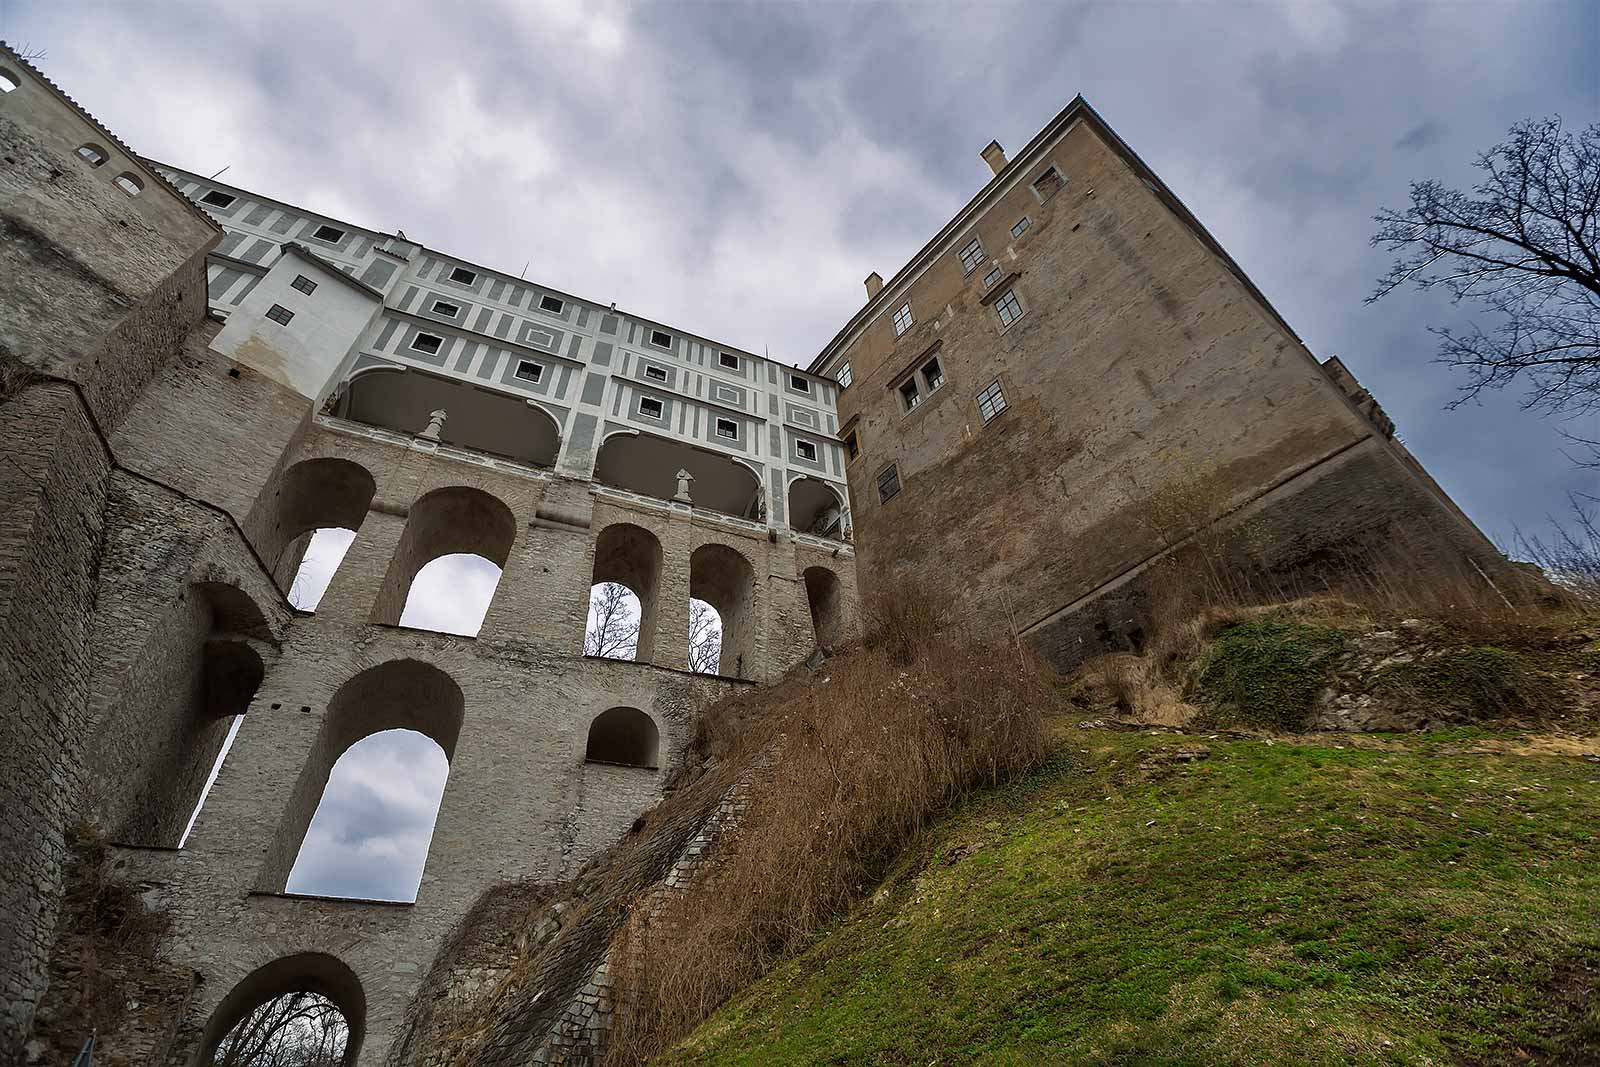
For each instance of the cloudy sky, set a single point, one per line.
(737, 169)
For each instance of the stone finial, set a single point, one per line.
(435, 425)
(684, 478)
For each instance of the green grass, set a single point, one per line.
(1272, 904)
(1475, 682)
(1266, 672)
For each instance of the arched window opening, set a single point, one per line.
(649, 465)
(397, 779)
(325, 549)
(628, 556)
(92, 154)
(307, 1009)
(816, 508)
(705, 638)
(306, 523)
(725, 580)
(369, 837)
(450, 522)
(129, 183)
(623, 736)
(8, 81)
(484, 420)
(826, 598)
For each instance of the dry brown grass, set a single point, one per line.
(839, 774)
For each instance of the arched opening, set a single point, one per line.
(724, 579)
(304, 526)
(404, 695)
(648, 465)
(8, 81)
(92, 154)
(280, 1014)
(826, 597)
(626, 737)
(816, 508)
(629, 557)
(451, 522)
(129, 183)
(705, 638)
(480, 419)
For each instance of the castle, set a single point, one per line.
(199, 377)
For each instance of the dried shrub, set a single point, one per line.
(1570, 555)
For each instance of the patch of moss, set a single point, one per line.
(1472, 683)
(1266, 672)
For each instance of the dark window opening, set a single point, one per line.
(427, 342)
(933, 374)
(551, 304)
(280, 314)
(331, 234)
(799, 383)
(463, 275)
(304, 284)
(661, 338)
(529, 371)
(909, 394)
(888, 483)
(218, 198)
(805, 450)
(1048, 184)
(658, 374)
(447, 309)
(729, 360)
(728, 428)
(851, 446)
(650, 407)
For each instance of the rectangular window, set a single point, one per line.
(805, 450)
(552, 304)
(902, 319)
(427, 342)
(908, 393)
(992, 401)
(218, 198)
(447, 309)
(933, 374)
(844, 377)
(797, 382)
(649, 407)
(729, 360)
(657, 374)
(992, 277)
(304, 284)
(661, 338)
(280, 314)
(1008, 307)
(1047, 184)
(463, 276)
(529, 371)
(851, 446)
(332, 234)
(728, 428)
(888, 483)
(1021, 227)
(971, 255)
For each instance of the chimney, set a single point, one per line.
(874, 284)
(995, 156)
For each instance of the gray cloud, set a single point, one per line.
(1421, 136)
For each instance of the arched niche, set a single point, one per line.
(401, 694)
(304, 972)
(630, 555)
(484, 420)
(648, 465)
(722, 577)
(626, 737)
(453, 520)
(825, 597)
(314, 494)
(816, 508)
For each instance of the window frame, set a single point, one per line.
(1012, 295)
(661, 408)
(994, 277)
(852, 446)
(890, 473)
(904, 309)
(129, 183)
(971, 255)
(1061, 183)
(547, 299)
(935, 383)
(538, 369)
(316, 234)
(92, 154)
(303, 284)
(845, 376)
(279, 314)
(434, 310)
(720, 423)
(984, 399)
(909, 402)
(724, 358)
(228, 200)
(1020, 227)
(470, 279)
(667, 344)
(418, 336)
(799, 383)
(798, 442)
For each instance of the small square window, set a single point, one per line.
(304, 284)
(661, 338)
(797, 382)
(650, 407)
(902, 319)
(992, 277)
(805, 450)
(729, 360)
(280, 314)
(728, 428)
(1048, 184)
(427, 342)
(218, 198)
(971, 255)
(933, 374)
(447, 309)
(1008, 307)
(1022, 226)
(844, 377)
(463, 276)
(992, 401)
(552, 304)
(331, 234)
(656, 374)
(909, 394)
(529, 371)
(888, 483)
(851, 446)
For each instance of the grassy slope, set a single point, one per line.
(1273, 904)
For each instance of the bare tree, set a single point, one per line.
(1525, 244)
(705, 638)
(613, 629)
(300, 1029)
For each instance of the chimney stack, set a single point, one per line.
(995, 156)
(874, 284)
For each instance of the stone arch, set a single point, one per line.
(455, 519)
(825, 596)
(303, 972)
(816, 507)
(722, 577)
(632, 556)
(403, 399)
(648, 464)
(400, 694)
(624, 736)
(311, 495)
